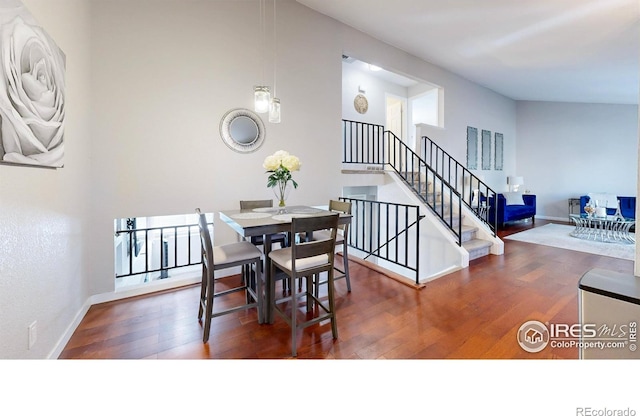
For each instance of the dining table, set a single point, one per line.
(268, 221)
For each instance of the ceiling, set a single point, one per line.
(543, 50)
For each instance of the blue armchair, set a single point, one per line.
(513, 212)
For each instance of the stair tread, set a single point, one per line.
(476, 244)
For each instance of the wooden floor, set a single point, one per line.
(473, 313)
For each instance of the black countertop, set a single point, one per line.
(621, 286)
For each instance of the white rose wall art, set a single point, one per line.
(32, 87)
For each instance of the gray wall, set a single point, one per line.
(567, 150)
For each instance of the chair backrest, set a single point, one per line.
(306, 249)
(344, 208)
(258, 203)
(205, 239)
(340, 206)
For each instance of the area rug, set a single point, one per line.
(556, 235)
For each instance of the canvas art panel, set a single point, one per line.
(472, 148)
(486, 150)
(32, 91)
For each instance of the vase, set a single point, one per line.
(281, 192)
(601, 208)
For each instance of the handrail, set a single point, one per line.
(476, 194)
(405, 162)
(375, 221)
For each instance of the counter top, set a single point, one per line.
(621, 286)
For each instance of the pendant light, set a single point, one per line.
(261, 93)
(274, 106)
(262, 97)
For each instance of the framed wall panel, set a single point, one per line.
(472, 148)
(486, 150)
(499, 151)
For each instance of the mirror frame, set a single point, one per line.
(227, 138)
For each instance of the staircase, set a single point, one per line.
(437, 179)
(476, 247)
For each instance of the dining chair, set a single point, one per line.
(258, 240)
(341, 207)
(304, 259)
(214, 258)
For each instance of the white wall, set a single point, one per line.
(44, 227)
(353, 78)
(163, 77)
(465, 103)
(567, 150)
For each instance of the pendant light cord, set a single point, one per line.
(275, 44)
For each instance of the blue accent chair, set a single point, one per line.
(508, 213)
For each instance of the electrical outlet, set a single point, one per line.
(33, 334)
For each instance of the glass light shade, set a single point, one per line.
(274, 110)
(262, 97)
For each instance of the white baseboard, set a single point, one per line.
(55, 354)
(545, 217)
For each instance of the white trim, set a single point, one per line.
(545, 217)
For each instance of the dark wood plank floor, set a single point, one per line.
(473, 313)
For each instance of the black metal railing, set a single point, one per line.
(141, 253)
(363, 143)
(475, 193)
(388, 231)
(367, 143)
(443, 199)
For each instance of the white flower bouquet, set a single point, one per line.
(280, 165)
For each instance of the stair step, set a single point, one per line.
(468, 233)
(477, 248)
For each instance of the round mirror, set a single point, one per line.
(242, 130)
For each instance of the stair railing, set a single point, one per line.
(388, 231)
(364, 143)
(475, 193)
(442, 198)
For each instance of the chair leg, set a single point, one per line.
(345, 260)
(294, 323)
(209, 307)
(247, 281)
(332, 305)
(271, 294)
(259, 291)
(309, 291)
(203, 293)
